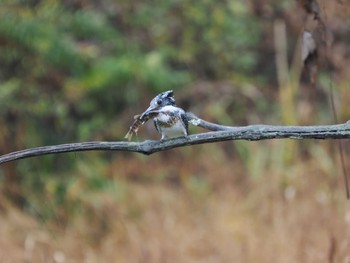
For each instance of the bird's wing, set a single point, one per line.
(184, 121)
(156, 125)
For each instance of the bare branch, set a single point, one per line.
(218, 133)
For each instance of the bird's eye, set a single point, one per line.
(159, 102)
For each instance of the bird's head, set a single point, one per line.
(163, 99)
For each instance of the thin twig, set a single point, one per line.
(332, 102)
(219, 133)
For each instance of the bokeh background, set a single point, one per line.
(79, 70)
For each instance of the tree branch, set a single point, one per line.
(218, 133)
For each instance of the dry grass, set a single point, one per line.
(202, 211)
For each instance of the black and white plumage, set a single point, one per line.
(169, 120)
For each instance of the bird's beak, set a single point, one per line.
(151, 110)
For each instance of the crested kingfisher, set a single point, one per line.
(169, 120)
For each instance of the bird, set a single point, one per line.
(170, 121)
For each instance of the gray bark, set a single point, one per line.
(218, 133)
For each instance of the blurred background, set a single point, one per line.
(79, 70)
